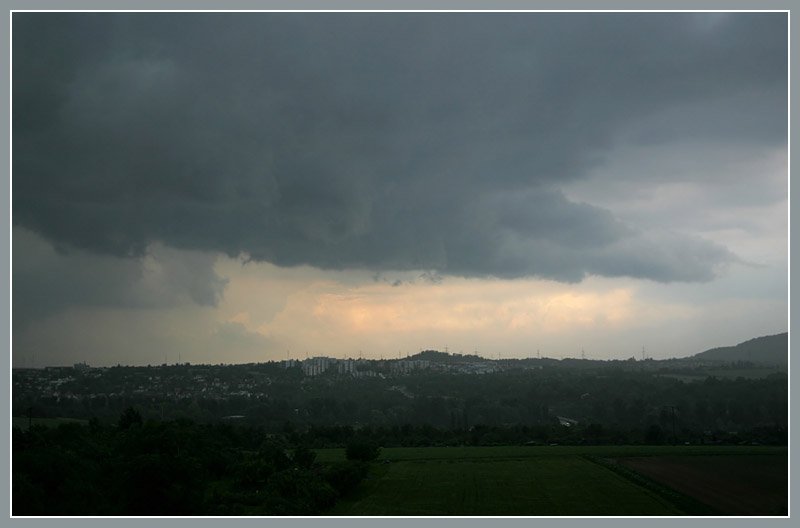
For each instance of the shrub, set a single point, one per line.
(362, 449)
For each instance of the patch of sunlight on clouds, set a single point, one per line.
(341, 312)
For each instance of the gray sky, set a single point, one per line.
(236, 186)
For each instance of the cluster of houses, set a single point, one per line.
(363, 368)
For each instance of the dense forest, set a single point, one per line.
(137, 467)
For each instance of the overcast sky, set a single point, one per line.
(245, 186)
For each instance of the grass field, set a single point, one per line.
(472, 452)
(553, 480)
(747, 373)
(22, 421)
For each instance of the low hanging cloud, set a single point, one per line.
(386, 142)
(46, 282)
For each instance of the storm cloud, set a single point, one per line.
(385, 142)
(47, 282)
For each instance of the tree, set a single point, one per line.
(654, 435)
(129, 417)
(362, 449)
(303, 457)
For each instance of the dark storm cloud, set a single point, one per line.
(381, 141)
(46, 282)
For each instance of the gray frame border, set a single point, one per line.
(378, 5)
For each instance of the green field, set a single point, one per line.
(515, 452)
(519, 480)
(747, 373)
(22, 421)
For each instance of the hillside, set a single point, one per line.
(772, 349)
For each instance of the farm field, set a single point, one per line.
(554, 480)
(747, 373)
(22, 421)
(495, 452)
(741, 485)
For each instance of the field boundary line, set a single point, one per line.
(689, 505)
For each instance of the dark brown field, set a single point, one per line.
(734, 485)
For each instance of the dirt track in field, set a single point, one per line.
(733, 484)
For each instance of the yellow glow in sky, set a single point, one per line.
(340, 313)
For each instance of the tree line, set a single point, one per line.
(149, 467)
(615, 399)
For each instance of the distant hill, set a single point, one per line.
(772, 349)
(444, 357)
